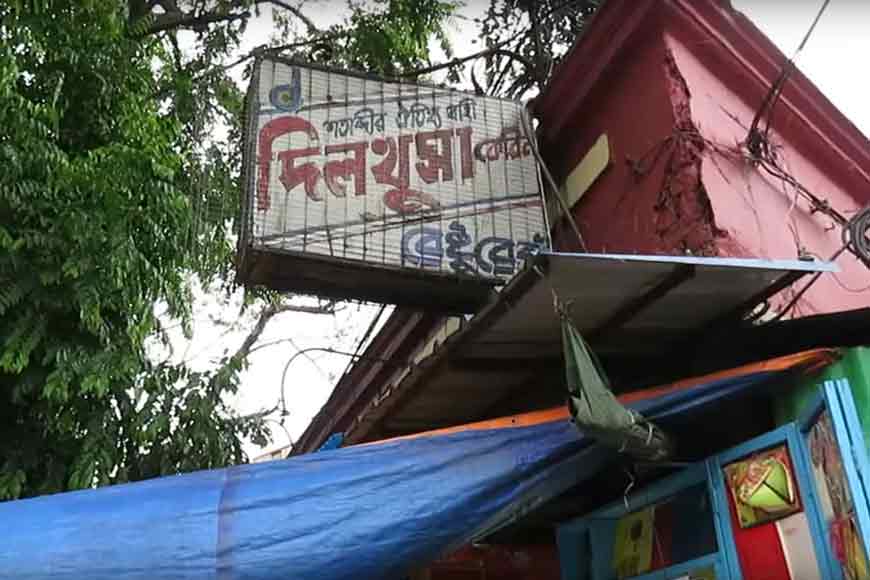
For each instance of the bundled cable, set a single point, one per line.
(856, 235)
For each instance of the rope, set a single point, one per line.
(628, 488)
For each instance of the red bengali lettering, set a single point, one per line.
(271, 131)
(466, 159)
(435, 151)
(395, 170)
(307, 173)
(337, 172)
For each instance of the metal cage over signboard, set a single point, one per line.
(368, 189)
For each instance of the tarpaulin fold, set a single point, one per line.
(359, 512)
(370, 511)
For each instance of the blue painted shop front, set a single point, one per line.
(789, 504)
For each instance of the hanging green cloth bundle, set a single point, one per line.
(597, 412)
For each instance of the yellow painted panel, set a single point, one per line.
(581, 178)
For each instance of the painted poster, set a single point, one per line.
(838, 507)
(798, 548)
(632, 551)
(763, 487)
(392, 174)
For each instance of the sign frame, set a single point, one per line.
(340, 277)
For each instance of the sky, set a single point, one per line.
(832, 59)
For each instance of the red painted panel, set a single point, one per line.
(762, 216)
(759, 549)
(627, 209)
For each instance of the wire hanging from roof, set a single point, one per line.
(529, 134)
(856, 238)
(363, 341)
(756, 141)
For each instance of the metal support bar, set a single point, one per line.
(734, 315)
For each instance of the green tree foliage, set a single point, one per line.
(115, 192)
(120, 164)
(533, 36)
(90, 222)
(389, 38)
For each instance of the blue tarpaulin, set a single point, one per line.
(359, 512)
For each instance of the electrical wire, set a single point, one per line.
(856, 238)
(305, 351)
(847, 288)
(529, 134)
(755, 140)
(802, 291)
(855, 230)
(365, 337)
(290, 443)
(817, 204)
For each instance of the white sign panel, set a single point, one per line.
(389, 173)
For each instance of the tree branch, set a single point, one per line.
(282, 47)
(174, 20)
(266, 315)
(309, 24)
(176, 52)
(327, 309)
(169, 6)
(497, 49)
(257, 414)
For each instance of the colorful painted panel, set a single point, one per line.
(763, 487)
(837, 505)
(632, 553)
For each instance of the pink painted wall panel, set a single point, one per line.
(759, 214)
(675, 84)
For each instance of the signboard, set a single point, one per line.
(363, 188)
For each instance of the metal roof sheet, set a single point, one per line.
(634, 303)
(624, 304)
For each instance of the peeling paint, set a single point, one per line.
(683, 212)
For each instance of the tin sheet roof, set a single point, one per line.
(507, 358)
(632, 303)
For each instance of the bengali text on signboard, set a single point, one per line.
(390, 174)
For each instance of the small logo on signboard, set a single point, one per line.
(288, 97)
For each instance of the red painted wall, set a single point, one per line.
(675, 97)
(625, 212)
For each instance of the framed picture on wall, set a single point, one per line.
(762, 486)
